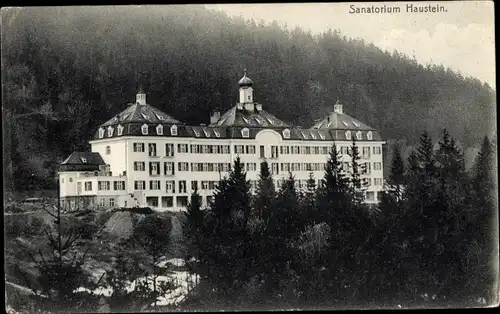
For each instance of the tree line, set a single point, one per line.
(69, 69)
(429, 241)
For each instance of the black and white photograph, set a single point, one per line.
(250, 157)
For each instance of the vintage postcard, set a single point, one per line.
(278, 156)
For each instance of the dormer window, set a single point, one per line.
(358, 135)
(245, 132)
(110, 131)
(345, 123)
(313, 136)
(246, 120)
(369, 135)
(119, 129)
(144, 129)
(173, 130)
(321, 135)
(304, 135)
(259, 121)
(159, 129)
(348, 135)
(355, 124)
(207, 133)
(83, 159)
(217, 133)
(286, 133)
(160, 117)
(101, 132)
(196, 132)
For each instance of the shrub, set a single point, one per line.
(137, 210)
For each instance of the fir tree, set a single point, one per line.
(266, 192)
(357, 170)
(193, 227)
(225, 250)
(396, 175)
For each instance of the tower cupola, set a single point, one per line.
(140, 96)
(246, 89)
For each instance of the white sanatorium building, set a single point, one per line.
(143, 157)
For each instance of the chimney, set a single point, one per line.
(337, 108)
(258, 107)
(215, 117)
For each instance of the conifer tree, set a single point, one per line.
(225, 249)
(396, 175)
(266, 192)
(357, 170)
(193, 227)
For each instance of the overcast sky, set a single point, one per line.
(461, 38)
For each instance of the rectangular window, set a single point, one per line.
(204, 185)
(182, 148)
(366, 152)
(344, 150)
(225, 149)
(275, 168)
(377, 166)
(377, 150)
(139, 147)
(324, 150)
(152, 149)
(251, 166)
(377, 181)
(103, 185)
(111, 202)
(274, 151)
(139, 166)
(169, 150)
(154, 185)
(170, 186)
(194, 185)
(370, 196)
(168, 168)
(88, 186)
(139, 185)
(205, 167)
(204, 149)
(108, 150)
(154, 168)
(182, 186)
(250, 149)
(183, 166)
(119, 185)
(238, 149)
(101, 202)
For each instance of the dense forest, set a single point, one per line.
(66, 70)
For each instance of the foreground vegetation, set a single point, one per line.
(430, 243)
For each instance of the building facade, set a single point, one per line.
(144, 157)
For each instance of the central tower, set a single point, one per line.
(246, 89)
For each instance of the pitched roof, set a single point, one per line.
(340, 121)
(249, 118)
(141, 113)
(84, 158)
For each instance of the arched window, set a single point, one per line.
(159, 129)
(144, 129)
(110, 131)
(119, 129)
(101, 132)
(369, 135)
(173, 130)
(358, 135)
(245, 132)
(348, 135)
(286, 133)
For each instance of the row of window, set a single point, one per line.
(245, 132)
(144, 130)
(105, 185)
(249, 149)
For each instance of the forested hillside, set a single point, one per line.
(66, 70)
